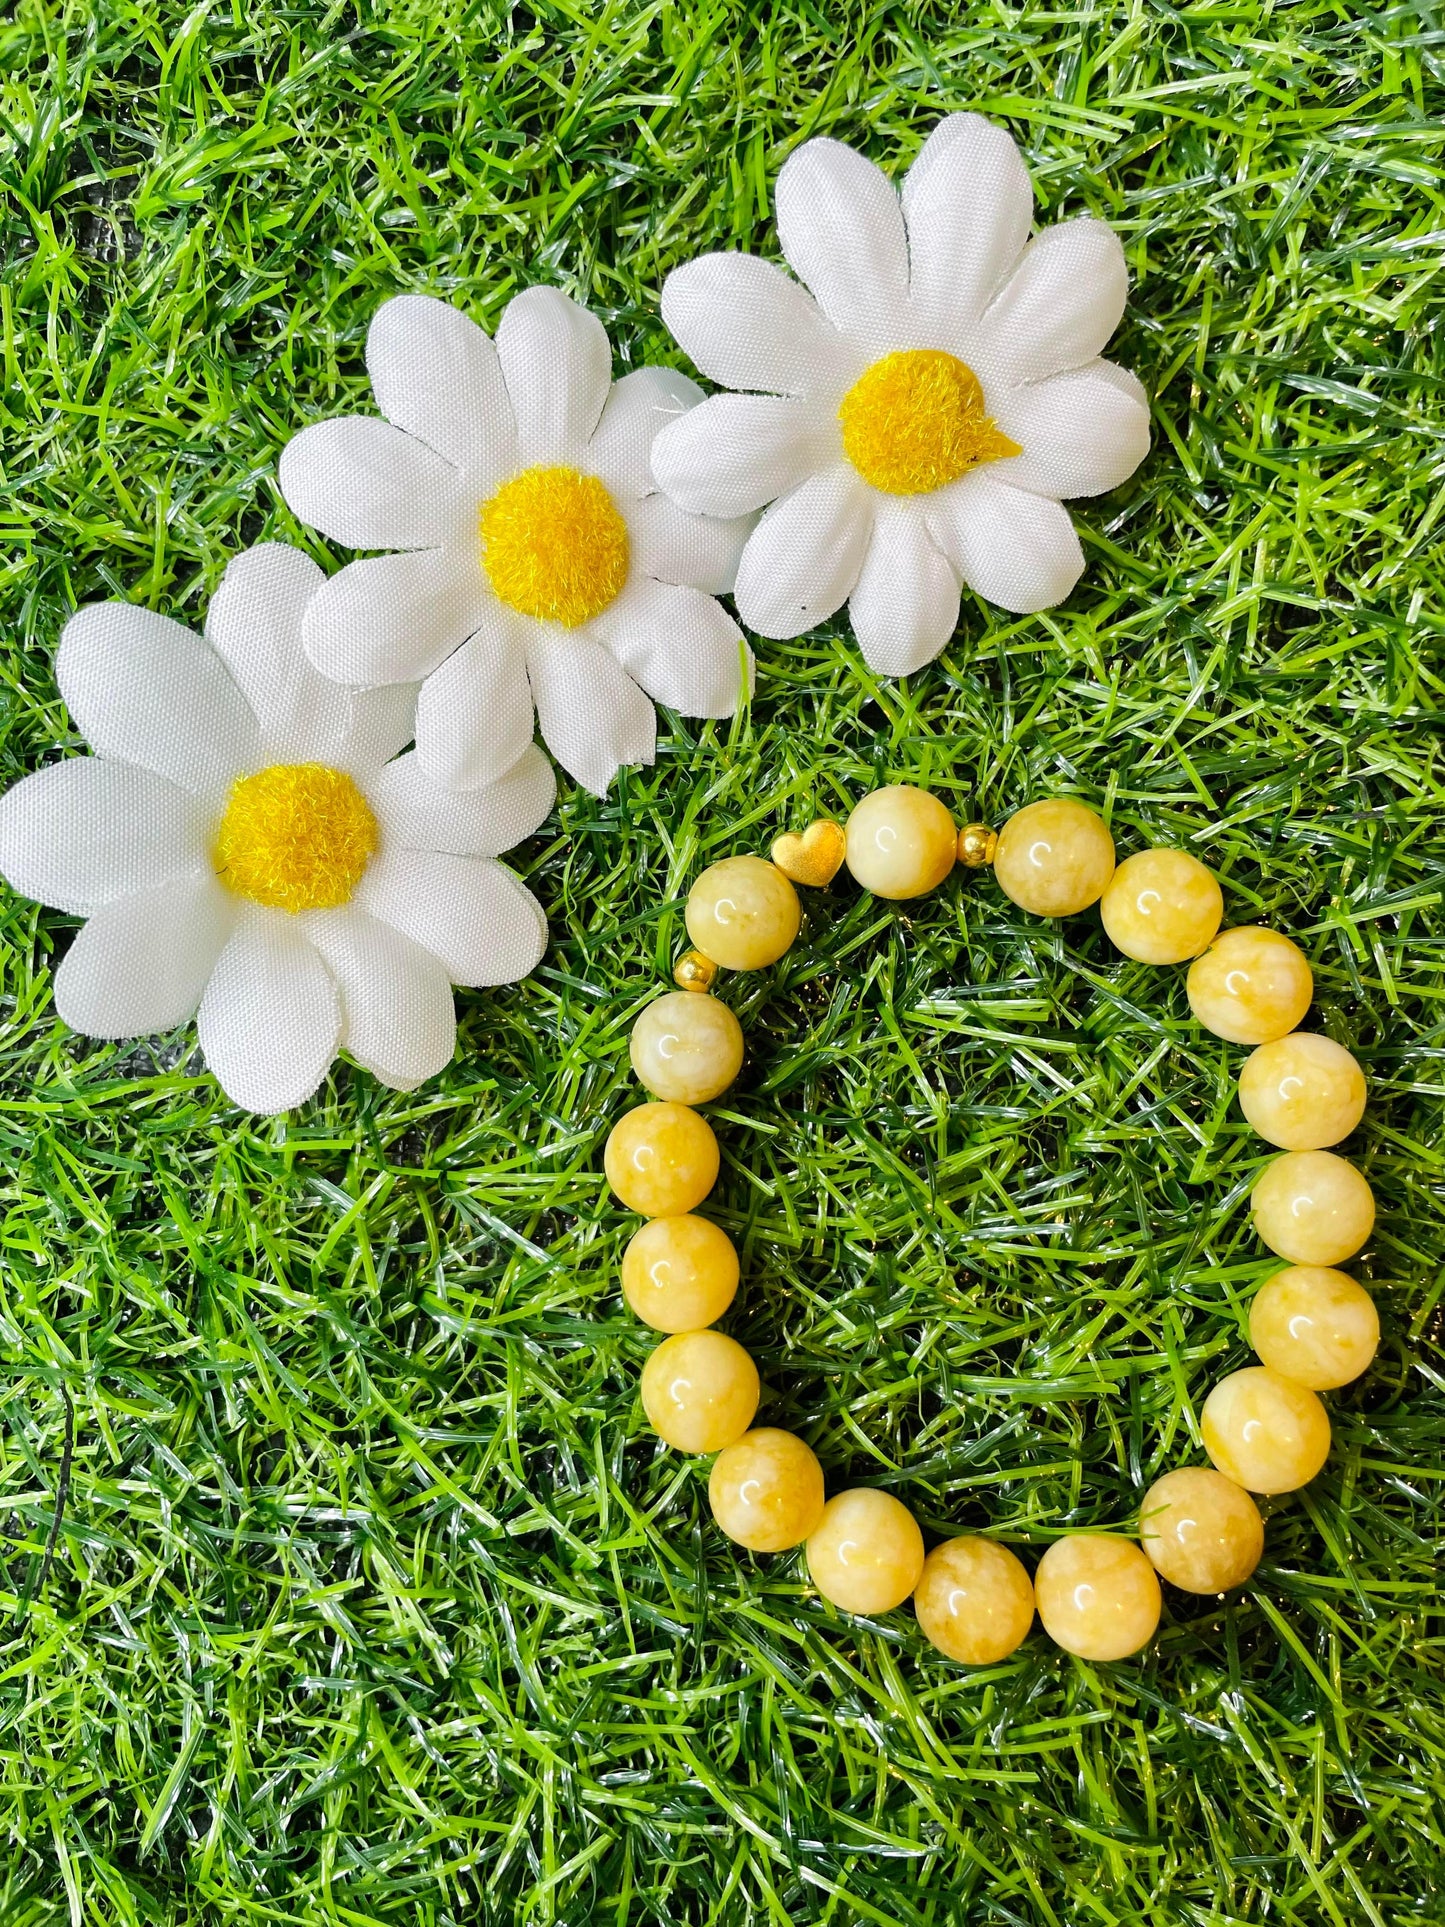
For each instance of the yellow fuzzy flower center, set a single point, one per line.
(916, 421)
(296, 836)
(554, 545)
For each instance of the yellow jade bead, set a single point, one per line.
(766, 1492)
(1313, 1208)
(1200, 1530)
(1251, 985)
(743, 913)
(1161, 906)
(1314, 1325)
(1302, 1092)
(680, 1274)
(700, 1391)
(1264, 1431)
(901, 842)
(686, 1047)
(975, 1601)
(1097, 1596)
(866, 1553)
(1054, 858)
(661, 1159)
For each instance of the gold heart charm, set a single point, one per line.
(816, 856)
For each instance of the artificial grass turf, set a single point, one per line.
(373, 1601)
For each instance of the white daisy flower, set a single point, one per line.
(248, 847)
(917, 418)
(539, 565)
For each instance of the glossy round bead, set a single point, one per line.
(766, 1491)
(976, 845)
(686, 1047)
(866, 1553)
(1200, 1530)
(680, 1274)
(1097, 1596)
(975, 1601)
(1313, 1208)
(694, 971)
(661, 1159)
(700, 1391)
(1302, 1092)
(1161, 906)
(901, 842)
(1250, 986)
(1264, 1431)
(1054, 858)
(743, 913)
(1314, 1325)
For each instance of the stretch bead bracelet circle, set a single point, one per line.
(1264, 1428)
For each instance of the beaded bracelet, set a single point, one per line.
(1264, 1428)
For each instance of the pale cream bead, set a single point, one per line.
(1264, 1431)
(1201, 1531)
(975, 1601)
(1313, 1208)
(866, 1553)
(700, 1391)
(766, 1491)
(902, 842)
(1314, 1325)
(661, 1159)
(1302, 1092)
(1250, 986)
(1161, 906)
(686, 1047)
(680, 1274)
(743, 913)
(1097, 1596)
(1054, 858)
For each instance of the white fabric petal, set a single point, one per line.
(270, 1020)
(254, 625)
(88, 831)
(474, 714)
(968, 203)
(1062, 303)
(372, 486)
(1080, 434)
(746, 325)
(904, 606)
(398, 1020)
(436, 375)
(682, 647)
(471, 912)
(383, 722)
(593, 717)
(735, 453)
(803, 558)
(1016, 549)
(672, 546)
(557, 361)
(139, 966)
(841, 231)
(620, 453)
(416, 813)
(393, 618)
(1124, 379)
(145, 690)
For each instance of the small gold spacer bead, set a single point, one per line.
(694, 971)
(976, 845)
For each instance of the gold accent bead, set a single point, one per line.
(976, 845)
(694, 971)
(815, 857)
